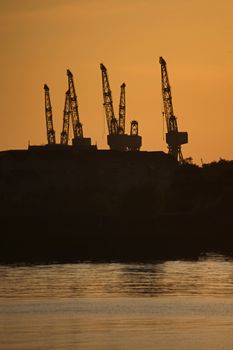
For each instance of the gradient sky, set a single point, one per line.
(40, 39)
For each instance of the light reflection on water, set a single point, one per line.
(212, 276)
(163, 305)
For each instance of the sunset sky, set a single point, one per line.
(40, 39)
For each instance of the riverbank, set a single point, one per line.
(112, 206)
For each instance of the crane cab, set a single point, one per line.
(176, 138)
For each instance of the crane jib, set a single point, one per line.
(174, 138)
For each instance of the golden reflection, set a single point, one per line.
(211, 276)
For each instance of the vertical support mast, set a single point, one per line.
(49, 117)
(108, 103)
(174, 138)
(167, 98)
(66, 120)
(121, 128)
(77, 126)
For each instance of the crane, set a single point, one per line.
(117, 138)
(66, 120)
(49, 117)
(77, 126)
(174, 138)
(121, 127)
(108, 103)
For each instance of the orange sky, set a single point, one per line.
(40, 39)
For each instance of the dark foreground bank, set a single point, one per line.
(111, 206)
(37, 239)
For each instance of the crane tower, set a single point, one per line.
(108, 103)
(174, 138)
(77, 126)
(66, 120)
(49, 117)
(117, 138)
(78, 140)
(121, 128)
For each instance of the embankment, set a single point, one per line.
(101, 205)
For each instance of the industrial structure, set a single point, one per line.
(49, 117)
(174, 138)
(78, 139)
(70, 113)
(66, 120)
(121, 127)
(117, 139)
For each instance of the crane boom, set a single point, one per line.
(66, 120)
(49, 117)
(77, 126)
(167, 98)
(108, 103)
(121, 128)
(174, 138)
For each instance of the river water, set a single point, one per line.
(172, 305)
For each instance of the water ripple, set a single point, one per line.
(212, 276)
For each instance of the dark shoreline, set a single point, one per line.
(112, 206)
(104, 240)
